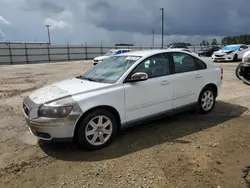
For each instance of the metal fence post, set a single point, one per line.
(86, 51)
(11, 60)
(48, 51)
(101, 49)
(68, 51)
(26, 53)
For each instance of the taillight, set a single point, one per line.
(221, 71)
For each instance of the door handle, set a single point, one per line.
(198, 76)
(165, 82)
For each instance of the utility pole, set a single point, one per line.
(162, 27)
(153, 38)
(48, 26)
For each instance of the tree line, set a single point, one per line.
(241, 39)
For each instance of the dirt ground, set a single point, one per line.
(187, 150)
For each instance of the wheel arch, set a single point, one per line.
(103, 107)
(213, 86)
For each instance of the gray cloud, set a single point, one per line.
(47, 6)
(2, 35)
(192, 17)
(112, 21)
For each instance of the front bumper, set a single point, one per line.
(222, 57)
(50, 129)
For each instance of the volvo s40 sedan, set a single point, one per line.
(120, 91)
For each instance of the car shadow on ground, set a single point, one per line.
(169, 129)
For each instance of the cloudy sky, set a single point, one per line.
(120, 21)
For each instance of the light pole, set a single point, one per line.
(153, 38)
(162, 27)
(48, 26)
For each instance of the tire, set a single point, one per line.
(245, 81)
(202, 109)
(237, 71)
(235, 58)
(93, 141)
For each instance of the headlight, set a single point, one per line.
(246, 59)
(228, 52)
(54, 112)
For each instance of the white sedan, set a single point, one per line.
(230, 53)
(119, 92)
(111, 52)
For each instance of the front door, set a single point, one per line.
(152, 96)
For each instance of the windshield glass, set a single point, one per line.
(110, 69)
(234, 47)
(110, 53)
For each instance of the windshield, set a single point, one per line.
(110, 53)
(110, 69)
(235, 47)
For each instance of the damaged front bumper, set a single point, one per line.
(50, 129)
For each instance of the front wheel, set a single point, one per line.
(96, 130)
(237, 71)
(206, 100)
(235, 58)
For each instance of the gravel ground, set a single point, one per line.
(186, 150)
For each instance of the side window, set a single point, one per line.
(154, 66)
(186, 63)
(118, 52)
(199, 64)
(244, 47)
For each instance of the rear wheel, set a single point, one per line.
(206, 100)
(96, 130)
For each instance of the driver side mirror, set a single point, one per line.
(138, 76)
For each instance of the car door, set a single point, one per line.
(152, 96)
(243, 49)
(188, 79)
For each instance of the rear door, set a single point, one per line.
(188, 79)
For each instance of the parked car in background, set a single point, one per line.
(230, 53)
(120, 92)
(111, 52)
(209, 51)
(176, 45)
(243, 69)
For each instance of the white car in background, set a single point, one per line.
(230, 53)
(111, 52)
(119, 92)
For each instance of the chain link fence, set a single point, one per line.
(25, 53)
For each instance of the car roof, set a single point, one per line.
(235, 44)
(146, 53)
(119, 49)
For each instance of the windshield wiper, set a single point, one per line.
(87, 78)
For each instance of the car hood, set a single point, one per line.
(220, 52)
(65, 88)
(100, 58)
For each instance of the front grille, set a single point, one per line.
(26, 109)
(95, 60)
(219, 55)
